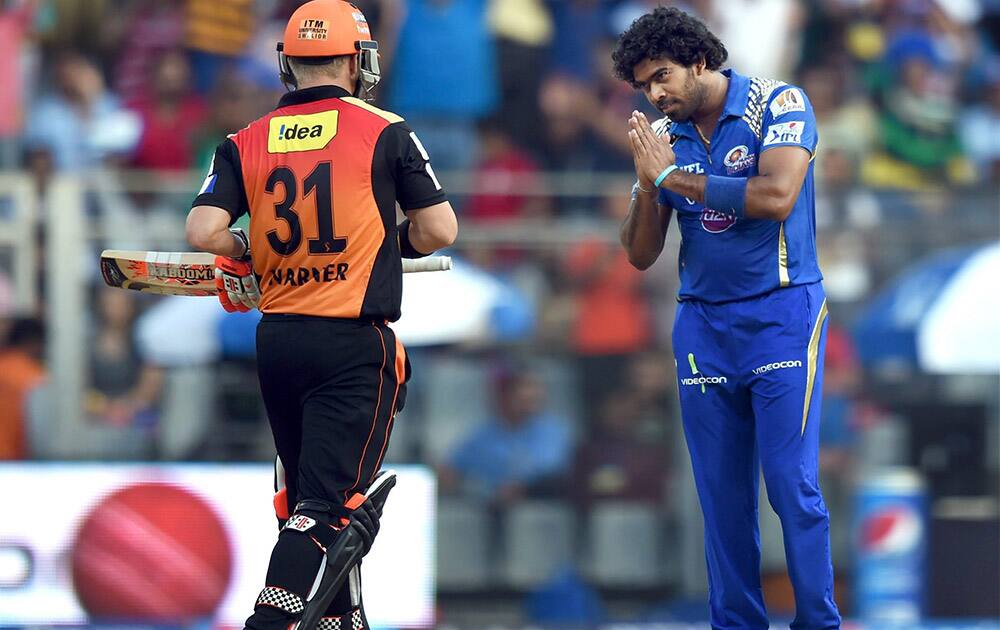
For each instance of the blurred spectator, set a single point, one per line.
(523, 451)
(571, 143)
(578, 24)
(919, 111)
(15, 19)
(234, 102)
(838, 443)
(847, 269)
(649, 381)
(607, 106)
(443, 75)
(844, 123)
(74, 25)
(123, 390)
(744, 24)
(81, 124)
(616, 460)
(523, 30)
(980, 127)
(503, 173)
(7, 307)
(841, 381)
(149, 29)
(612, 318)
(217, 32)
(21, 371)
(171, 117)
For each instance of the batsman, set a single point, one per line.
(321, 177)
(733, 159)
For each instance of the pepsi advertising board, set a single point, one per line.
(891, 543)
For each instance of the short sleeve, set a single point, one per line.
(789, 121)
(223, 185)
(417, 185)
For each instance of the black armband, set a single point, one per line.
(406, 248)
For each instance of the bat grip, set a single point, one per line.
(430, 263)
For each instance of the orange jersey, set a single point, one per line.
(321, 177)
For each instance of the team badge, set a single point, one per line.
(716, 222)
(739, 159)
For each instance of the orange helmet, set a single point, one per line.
(321, 29)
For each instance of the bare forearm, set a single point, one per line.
(423, 241)
(686, 184)
(642, 231)
(222, 243)
(208, 230)
(432, 228)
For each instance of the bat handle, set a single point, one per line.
(430, 263)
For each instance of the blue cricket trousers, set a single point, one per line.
(750, 376)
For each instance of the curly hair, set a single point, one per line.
(670, 33)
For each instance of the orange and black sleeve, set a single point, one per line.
(223, 186)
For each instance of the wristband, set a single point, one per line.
(242, 237)
(406, 248)
(667, 171)
(726, 195)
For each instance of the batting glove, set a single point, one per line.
(238, 290)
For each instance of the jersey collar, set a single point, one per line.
(310, 95)
(736, 102)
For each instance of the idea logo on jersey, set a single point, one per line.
(716, 222)
(305, 132)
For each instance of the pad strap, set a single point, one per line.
(277, 597)
(352, 621)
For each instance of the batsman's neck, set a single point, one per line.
(342, 82)
(716, 88)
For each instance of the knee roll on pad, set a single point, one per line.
(352, 543)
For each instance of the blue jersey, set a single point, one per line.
(722, 258)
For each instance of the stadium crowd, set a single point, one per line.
(518, 108)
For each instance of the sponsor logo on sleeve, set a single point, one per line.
(790, 100)
(785, 133)
(739, 159)
(308, 132)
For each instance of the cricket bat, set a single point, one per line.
(193, 273)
